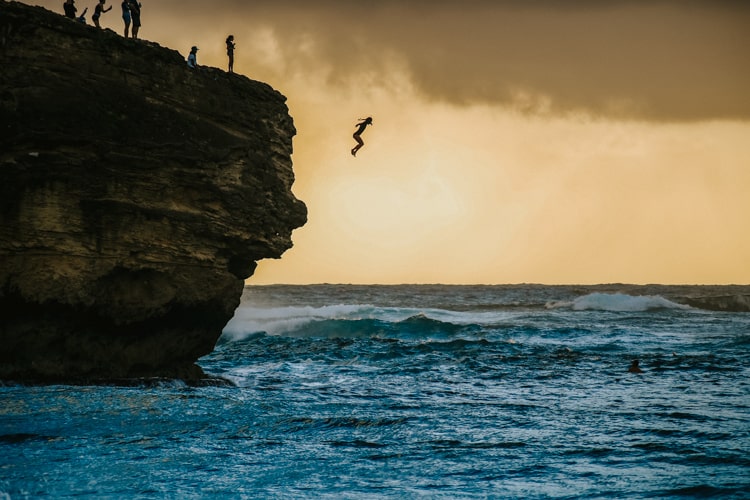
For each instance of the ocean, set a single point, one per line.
(429, 391)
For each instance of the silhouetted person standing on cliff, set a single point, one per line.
(192, 59)
(98, 11)
(70, 9)
(126, 16)
(135, 14)
(362, 126)
(230, 52)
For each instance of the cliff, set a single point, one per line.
(136, 195)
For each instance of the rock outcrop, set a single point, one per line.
(136, 195)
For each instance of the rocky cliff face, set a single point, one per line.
(136, 195)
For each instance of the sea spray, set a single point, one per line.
(617, 302)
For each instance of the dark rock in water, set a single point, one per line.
(726, 303)
(136, 195)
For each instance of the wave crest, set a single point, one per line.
(617, 302)
(345, 321)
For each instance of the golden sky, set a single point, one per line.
(546, 141)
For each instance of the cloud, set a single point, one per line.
(658, 60)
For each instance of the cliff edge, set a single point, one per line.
(136, 195)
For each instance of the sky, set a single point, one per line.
(513, 141)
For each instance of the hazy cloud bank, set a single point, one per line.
(655, 60)
(660, 60)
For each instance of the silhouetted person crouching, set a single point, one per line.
(192, 59)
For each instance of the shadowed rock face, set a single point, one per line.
(136, 195)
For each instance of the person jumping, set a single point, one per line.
(362, 125)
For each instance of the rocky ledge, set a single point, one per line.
(136, 195)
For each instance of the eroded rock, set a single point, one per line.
(136, 195)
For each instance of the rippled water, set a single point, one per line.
(403, 392)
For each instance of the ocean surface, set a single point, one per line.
(414, 392)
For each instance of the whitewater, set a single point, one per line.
(414, 391)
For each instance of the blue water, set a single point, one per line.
(414, 392)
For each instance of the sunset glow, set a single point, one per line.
(546, 141)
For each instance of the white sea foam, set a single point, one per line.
(617, 302)
(280, 320)
(250, 320)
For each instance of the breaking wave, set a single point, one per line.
(617, 302)
(364, 320)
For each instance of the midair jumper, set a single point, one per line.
(361, 126)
